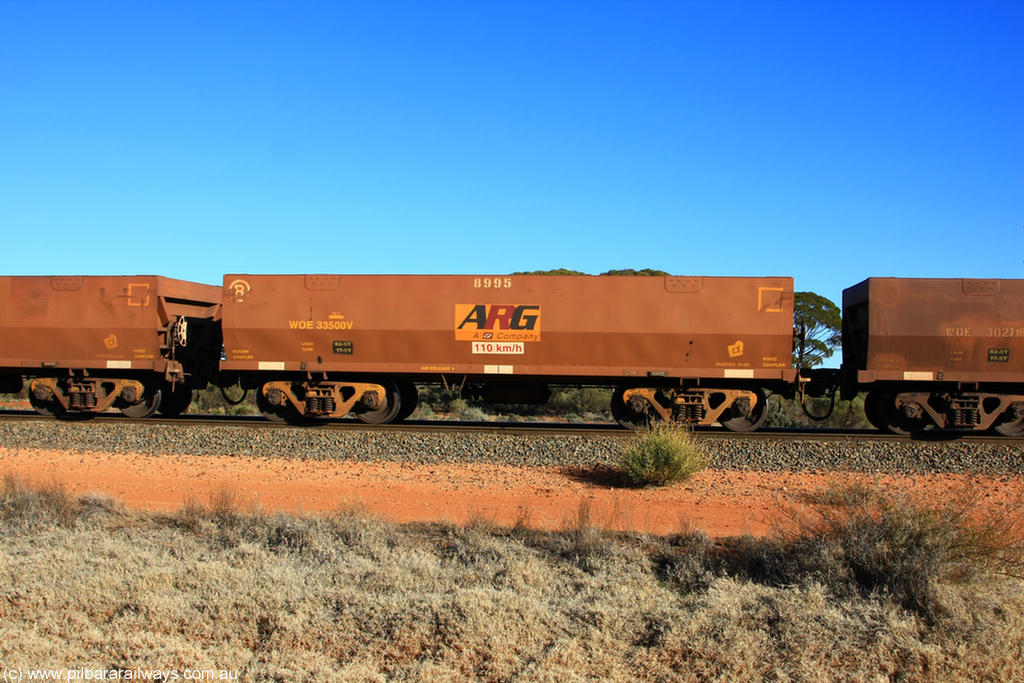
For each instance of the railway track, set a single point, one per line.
(608, 430)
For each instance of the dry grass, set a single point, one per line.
(901, 545)
(24, 507)
(351, 598)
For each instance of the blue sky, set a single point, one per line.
(830, 141)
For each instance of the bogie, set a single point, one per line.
(906, 409)
(739, 410)
(370, 402)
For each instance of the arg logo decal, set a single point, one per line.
(497, 322)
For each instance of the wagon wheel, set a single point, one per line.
(627, 414)
(275, 413)
(752, 420)
(174, 400)
(410, 397)
(1012, 423)
(388, 411)
(50, 407)
(873, 410)
(895, 418)
(149, 404)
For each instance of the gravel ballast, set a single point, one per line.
(423, 445)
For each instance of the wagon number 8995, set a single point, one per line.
(492, 282)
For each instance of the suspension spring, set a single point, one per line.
(82, 400)
(964, 417)
(690, 412)
(964, 411)
(319, 404)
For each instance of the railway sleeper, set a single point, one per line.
(740, 410)
(283, 400)
(57, 395)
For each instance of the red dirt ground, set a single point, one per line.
(721, 502)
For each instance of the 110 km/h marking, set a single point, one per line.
(499, 347)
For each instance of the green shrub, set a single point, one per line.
(786, 412)
(210, 401)
(659, 455)
(567, 401)
(472, 414)
(424, 411)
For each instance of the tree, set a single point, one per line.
(818, 329)
(555, 271)
(631, 271)
(567, 271)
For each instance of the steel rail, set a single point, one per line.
(516, 428)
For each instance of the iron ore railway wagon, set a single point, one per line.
(697, 349)
(86, 344)
(931, 353)
(940, 353)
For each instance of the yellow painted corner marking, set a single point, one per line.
(769, 299)
(138, 294)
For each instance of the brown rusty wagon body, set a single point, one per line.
(947, 353)
(700, 349)
(89, 343)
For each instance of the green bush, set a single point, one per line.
(662, 454)
(424, 411)
(472, 414)
(786, 412)
(210, 401)
(565, 401)
(575, 404)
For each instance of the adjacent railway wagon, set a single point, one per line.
(694, 349)
(947, 353)
(138, 343)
